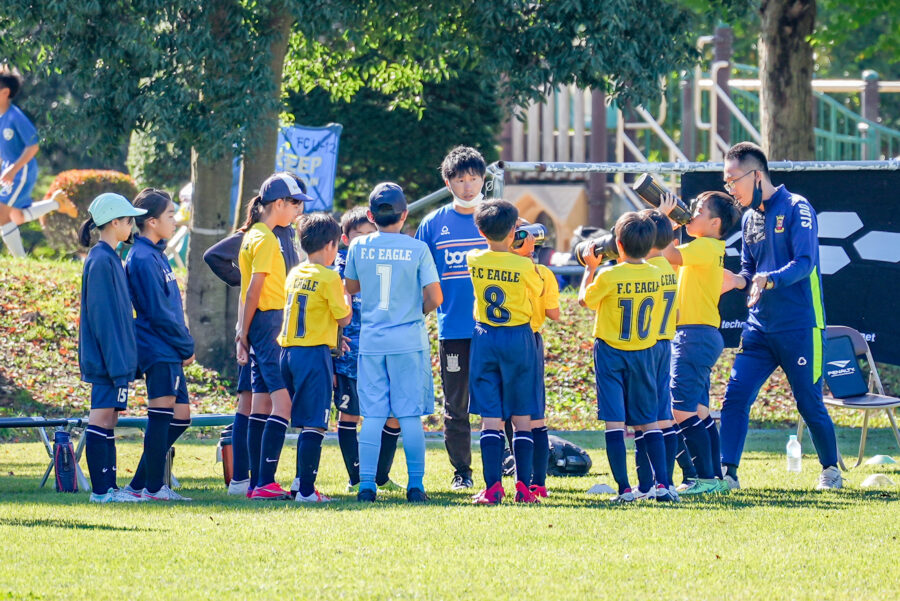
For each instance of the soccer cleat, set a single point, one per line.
(295, 487)
(666, 495)
(353, 487)
(120, 496)
(366, 495)
(315, 497)
(732, 482)
(701, 486)
(104, 498)
(830, 479)
(271, 491)
(416, 495)
(66, 206)
(639, 495)
(461, 482)
(250, 492)
(490, 496)
(134, 493)
(624, 497)
(239, 488)
(688, 482)
(723, 487)
(391, 486)
(524, 494)
(163, 494)
(539, 491)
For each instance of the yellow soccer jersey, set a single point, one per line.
(664, 313)
(260, 253)
(700, 282)
(548, 299)
(505, 287)
(315, 301)
(624, 297)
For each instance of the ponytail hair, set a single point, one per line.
(254, 213)
(84, 234)
(154, 201)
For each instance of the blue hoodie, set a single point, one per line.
(782, 242)
(107, 353)
(162, 336)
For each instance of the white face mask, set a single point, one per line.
(467, 204)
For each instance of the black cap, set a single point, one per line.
(387, 199)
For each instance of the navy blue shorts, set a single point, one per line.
(397, 385)
(167, 379)
(626, 384)
(307, 372)
(695, 350)
(243, 379)
(502, 371)
(346, 400)
(664, 359)
(265, 360)
(539, 383)
(104, 396)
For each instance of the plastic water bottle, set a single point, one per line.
(793, 454)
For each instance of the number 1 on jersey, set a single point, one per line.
(384, 279)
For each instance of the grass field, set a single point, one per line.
(774, 539)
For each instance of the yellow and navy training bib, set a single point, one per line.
(505, 287)
(664, 313)
(548, 299)
(315, 301)
(625, 297)
(260, 253)
(700, 282)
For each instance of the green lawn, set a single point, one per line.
(774, 539)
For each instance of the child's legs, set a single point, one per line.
(309, 451)
(414, 448)
(411, 396)
(373, 388)
(106, 402)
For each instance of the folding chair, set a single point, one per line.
(848, 386)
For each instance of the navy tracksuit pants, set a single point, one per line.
(799, 354)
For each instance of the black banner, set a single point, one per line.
(859, 251)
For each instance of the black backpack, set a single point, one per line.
(64, 462)
(567, 459)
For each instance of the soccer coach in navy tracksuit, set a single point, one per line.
(786, 323)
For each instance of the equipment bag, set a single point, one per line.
(567, 459)
(64, 462)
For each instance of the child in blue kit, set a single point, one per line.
(315, 306)
(164, 344)
(398, 283)
(279, 202)
(625, 360)
(355, 223)
(18, 172)
(107, 352)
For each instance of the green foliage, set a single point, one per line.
(157, 165)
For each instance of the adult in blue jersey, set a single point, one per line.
(786, 323)
(450, 233)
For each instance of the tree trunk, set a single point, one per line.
(786, 67)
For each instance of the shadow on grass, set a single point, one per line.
(51, 523)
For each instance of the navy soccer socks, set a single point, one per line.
(491, 443)
(670, 440)
(541, 455)
(95, 454)
(111, 463)
(523, 449)
(715, 448)
(155, 448)
(617, 456)
(255, 427)
(697, 440)
(642, 462)
(683, 457)
(349, 444)
(270, 449)
(389, 438)
(656, 453)
(309, 451)
(239, 449)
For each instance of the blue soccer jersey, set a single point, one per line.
(449, 236)
(391, 269)
(346, 363)
(16, 134)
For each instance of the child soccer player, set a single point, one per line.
(664, 325)
(315, 307)
(279, 202)
(164, 344)
(503, 359)
(107, 353)
(18, 147)
(698, 343)
(546, 305)
(625, 361)
(354, 224)
(398, 283)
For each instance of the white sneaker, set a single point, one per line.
(131, 491)
(120, 496)
(163, 494)
(830, 479)
(295, 487)
(673, 492)
(666, 494)
(644, 496)
(104, 498)
(625, 497)
(239, 488)
(315, 497)
(732, 483)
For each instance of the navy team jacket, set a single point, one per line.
(162, 336)
(222, 257)
(107, 353)
(783, 243)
